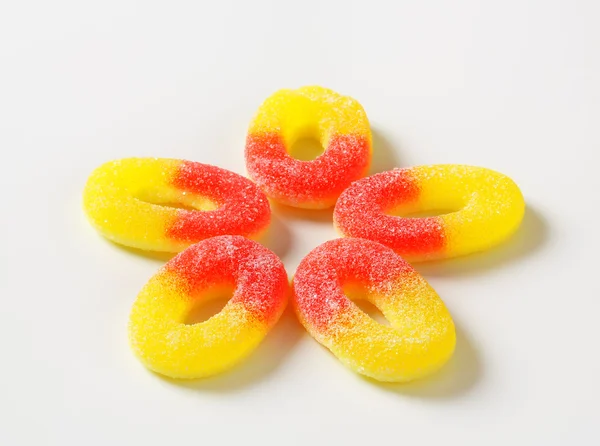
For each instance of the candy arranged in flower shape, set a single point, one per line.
(421, 337)
(482, 207)
(338, 122)
(166, 204)
(158, 332)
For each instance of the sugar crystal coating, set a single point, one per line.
(421, 337)
(338, 122)
(161, 204)
(480, 209)
(166, 344)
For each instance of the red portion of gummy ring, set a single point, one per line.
(241, 204)
(293, 181)
(258, 275)
(361, 211)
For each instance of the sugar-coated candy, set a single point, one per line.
(421, 337)
(161, 204)
(158, 331)
(338, 122)
(479, 209)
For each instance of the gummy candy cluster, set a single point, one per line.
(215, 218)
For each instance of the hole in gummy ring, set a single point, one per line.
(372, 311)
(424, 213)
(357, 295)
(209, 304)
(177, 200)
(174, 204)
(306, 149)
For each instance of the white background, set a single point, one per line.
(513, 85)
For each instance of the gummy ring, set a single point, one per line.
(167, 345)
(421, 337)
(338, 122)
(483, 209)
(130, 201)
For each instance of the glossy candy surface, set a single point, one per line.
(338, 122)
(479, 207)
(161, 204)
(158, 331)
(421, 337)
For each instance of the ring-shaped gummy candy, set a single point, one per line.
(338, 122)
(482, 208)
(161, 204)
(158, 331)
(421, 337)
